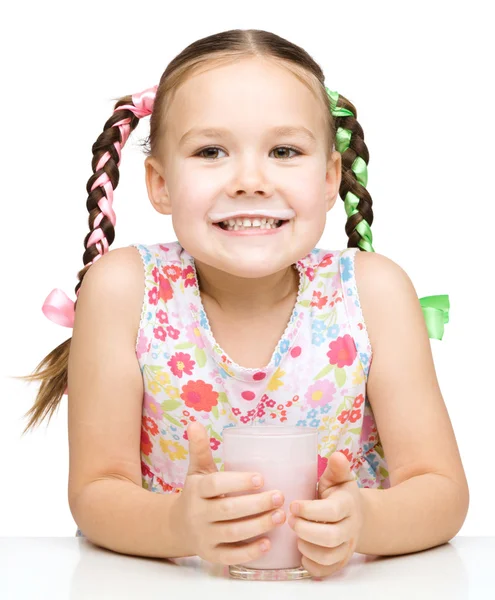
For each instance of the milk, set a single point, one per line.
(287, 458)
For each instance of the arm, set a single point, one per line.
(421, 512)
(428, 499)
(106, 497)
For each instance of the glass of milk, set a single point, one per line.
(287, 458)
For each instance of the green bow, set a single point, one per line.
(436, 314)
(435, 308)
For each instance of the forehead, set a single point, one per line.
(245, 96)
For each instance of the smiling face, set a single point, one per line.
(248, 161)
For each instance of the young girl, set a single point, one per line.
(243, 320)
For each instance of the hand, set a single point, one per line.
(213, 524)
(329, 528)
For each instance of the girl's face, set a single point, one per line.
(247, 166)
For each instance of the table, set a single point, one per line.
(40, 568)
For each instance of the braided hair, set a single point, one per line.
(349, 142)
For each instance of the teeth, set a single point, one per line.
(245, 222)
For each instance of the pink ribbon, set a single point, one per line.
(143, 103)
(58, 307)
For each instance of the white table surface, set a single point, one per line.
(40, 568)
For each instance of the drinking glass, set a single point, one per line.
(287, 458)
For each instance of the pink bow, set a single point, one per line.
(142, 103)
(59, 308)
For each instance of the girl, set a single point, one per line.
(243, 320)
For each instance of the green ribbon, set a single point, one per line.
(436, 314)
(435, 308)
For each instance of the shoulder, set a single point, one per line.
(387, 296)
(115, 282)
(372, 268)
(121, 265)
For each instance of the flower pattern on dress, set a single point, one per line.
(316, 376)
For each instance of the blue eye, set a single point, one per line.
(217, 148)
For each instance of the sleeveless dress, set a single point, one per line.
(316, 376)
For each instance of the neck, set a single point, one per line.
(246, 296)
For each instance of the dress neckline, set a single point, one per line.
(284, 344)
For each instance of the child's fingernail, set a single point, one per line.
(294, 508)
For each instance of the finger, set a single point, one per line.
(330, 510)
(200, 456)
(237, 507)
(317, 570)
(321, 555)
(233, 554)
(322, 534)
(338, 470)
(244, 529)
(229, 482)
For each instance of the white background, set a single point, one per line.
(421, 77)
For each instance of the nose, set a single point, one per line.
(250, 179)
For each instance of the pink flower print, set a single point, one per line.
(181, 363)
(358, 401)
(166, 292)
(322, 465)
(344, 415)
(172, 272)
(320, 393)
(236, 411)
(143, 344)
(152, 407)
(318, 300)
(193, 334)
(367, 428)
(154, 274)
(188, 277)
(326, 260)
(270, 403)
(161, 464)
(355, 415)
(150, 425)
(145, 470)
(342, 351)
(162, 316)
(172, 332)
(199, 395)
(159, 333)
(153, 296)
(367, 483)
(214, 443)
(295, 352)
(245, 420)
(146, 444)
(310, 273)
(348, 454)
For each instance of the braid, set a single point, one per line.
(349, 141)
(106, 160)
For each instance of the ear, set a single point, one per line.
(156, 186)
(333, 179)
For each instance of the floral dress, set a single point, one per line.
(316, 376)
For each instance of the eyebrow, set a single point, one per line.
(218, 132)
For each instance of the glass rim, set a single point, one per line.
(267, 431)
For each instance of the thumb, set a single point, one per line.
(338, 471)
(200, 456)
